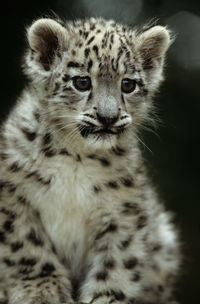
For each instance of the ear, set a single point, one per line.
(47, 38)
(152, 46)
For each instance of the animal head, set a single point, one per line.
(96, 78)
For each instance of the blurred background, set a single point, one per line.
(173, 155)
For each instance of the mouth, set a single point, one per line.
(100, 132)
(104, 131)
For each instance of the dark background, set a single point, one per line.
(174, 160)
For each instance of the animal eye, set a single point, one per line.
(128, 85)
(82, 83)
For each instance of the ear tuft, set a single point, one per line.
(47, 38)
(153, 44)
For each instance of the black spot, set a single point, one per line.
(119, 151)
(78, 158)
(11, 188)
(25, 270)
(90, 40)
(8, 226)
(92, 156)
(37, 116)
(130, 263)
(127, 181)
(47, 139)
(96, 50)
(101, 276)
(130, 208)
(66, 77)
(29, 135)
(27, 278)
(57, 87)
(97, 189)
(14, 167)
(156, 247)
(49, 152)
(140, 82)
(30, 174)
(22, 199)
(144, 92)
(125, 244)
(104, 162)
(3, 184)
(64, 152)
(41, 180)
(90, 96)
(48, 268)
(112, 227)
(160, 288)
(90, 64)
(34, 238)
(2, 237)
(112, 185)
(86, 34)
(112, 38)
(109, 263)
(72, 64)
(53, 249)
(87, 51)
(16, 246)
(136, 277)
(9, 262)
(118, 294)
(27, 261)
(11, 214)
(3, 156)
(92, 27)
(141, 222)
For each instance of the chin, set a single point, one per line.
(101, 142)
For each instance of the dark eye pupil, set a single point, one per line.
(82, 83)
(128, 85)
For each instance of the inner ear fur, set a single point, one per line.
(152, 45)
(47, 38)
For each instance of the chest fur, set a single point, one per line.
(67, 206)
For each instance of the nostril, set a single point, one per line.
(107, 120)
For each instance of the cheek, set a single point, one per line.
(132, 103)
(69, 96)
(138, 108)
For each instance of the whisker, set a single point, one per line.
(140, 140)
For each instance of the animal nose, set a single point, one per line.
(107, 120)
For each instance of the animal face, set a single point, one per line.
(98, 77)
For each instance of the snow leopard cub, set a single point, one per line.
(79, 219)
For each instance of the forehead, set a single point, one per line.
(104, 47)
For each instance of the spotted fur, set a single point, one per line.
(79, 219)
